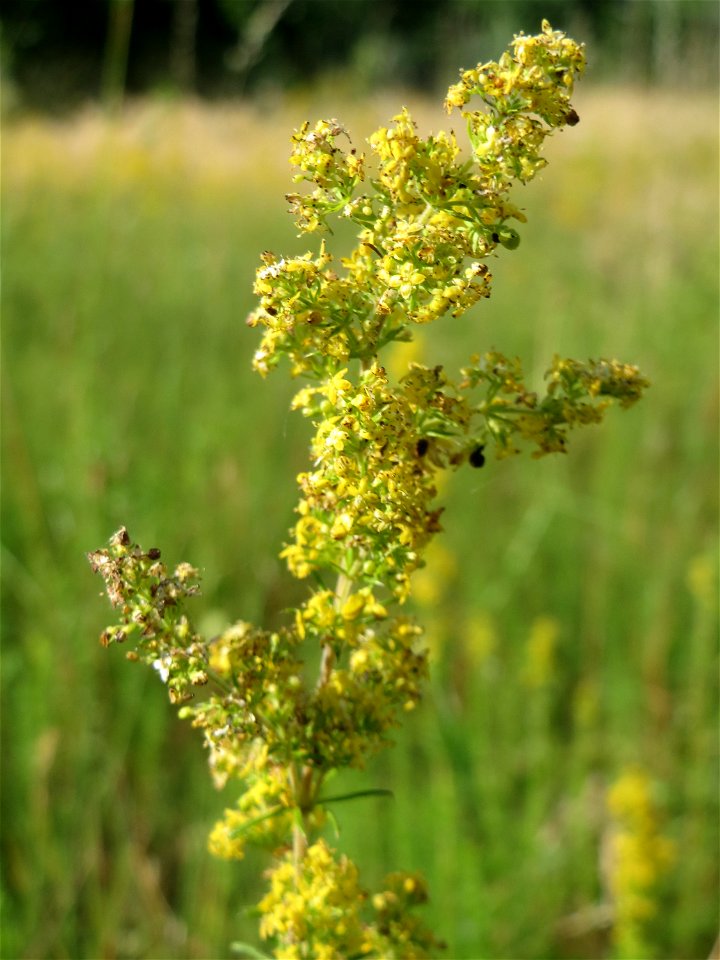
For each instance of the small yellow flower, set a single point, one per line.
(540, 652)
(639, 855)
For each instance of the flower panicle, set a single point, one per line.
(639, 855)
(367, 507)
(151, 602)
(427, 218)
(323, 912)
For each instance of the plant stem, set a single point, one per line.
(299, 847)
(326, 664)
(343, 589)
(300, 790)
(115, 59)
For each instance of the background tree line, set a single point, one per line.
(58, 53)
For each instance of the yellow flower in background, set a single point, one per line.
(431, 582)
(701, 579)
(402, 353)
(480, 638)
(540, 652)
(638, 856)
(586, 704)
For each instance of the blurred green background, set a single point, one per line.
(571, 604)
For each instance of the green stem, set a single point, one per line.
(299, 782)
(116, 52)
(343, 589)
(299, 848)
(355, 795)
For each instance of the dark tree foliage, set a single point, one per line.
(57, 53)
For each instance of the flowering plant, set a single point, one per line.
(428, 220)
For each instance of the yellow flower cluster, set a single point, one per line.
(540, 653)
(366, 507)
(305, 306)
(527, 93)
(428, 221)
(258, 694)
(639, 855)
(351, 713)
(335, 173)
(314, 912)
(151, 608)
(320, 912)
(601, 378)
(263, 816)
(396, 933)
(578, 393)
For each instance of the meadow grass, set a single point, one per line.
(571, 608)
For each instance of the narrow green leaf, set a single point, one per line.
(248, 825)
(247, 950)
(334, 821)
(355, 795)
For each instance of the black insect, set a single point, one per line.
(477, 457)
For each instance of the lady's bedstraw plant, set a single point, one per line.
(428, 222)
